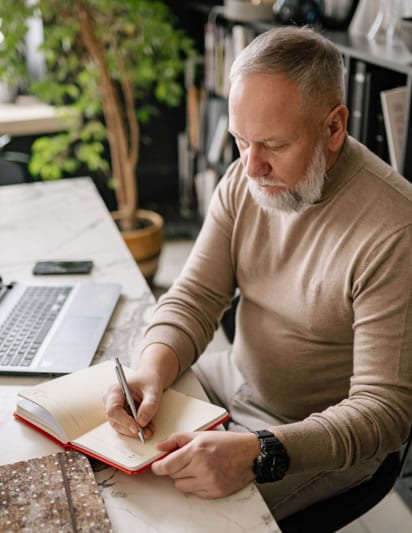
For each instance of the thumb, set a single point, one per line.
(148, 406)
(175, 441)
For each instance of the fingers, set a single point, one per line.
(148, 407)
(176, 440)
(115, 408)
(210, 464)
(147, 399)
(174, 465)
(182, 466)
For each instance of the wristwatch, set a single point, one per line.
(272, 462)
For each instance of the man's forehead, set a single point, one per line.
(271, 138)
(263, 80)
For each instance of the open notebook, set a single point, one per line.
(54, 327)
(69, 410)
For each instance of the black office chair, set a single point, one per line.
(11, 173)
(13, 164)
(329, 515)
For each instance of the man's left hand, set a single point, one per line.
(210, 464)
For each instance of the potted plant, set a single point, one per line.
(12, 33)
(108, 63)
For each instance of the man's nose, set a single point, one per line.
(256, 163)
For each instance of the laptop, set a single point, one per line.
(54, 327)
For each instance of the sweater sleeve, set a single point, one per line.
(377, 415)
(187, 316)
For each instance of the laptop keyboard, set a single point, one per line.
(22, 334)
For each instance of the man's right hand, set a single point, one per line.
(157, 369)
(147, 398)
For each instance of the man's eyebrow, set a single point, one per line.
(268, 140)
(233, 133)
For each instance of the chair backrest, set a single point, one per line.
(330, 515)
(228, 319)
(334, 513)
(11, 173)
(404, 454)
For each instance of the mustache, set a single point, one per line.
(262, 181)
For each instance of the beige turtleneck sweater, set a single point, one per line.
(324, 325)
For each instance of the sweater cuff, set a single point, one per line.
(309, 446)
(176, 339)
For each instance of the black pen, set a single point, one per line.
(128, 395)
(4, 289)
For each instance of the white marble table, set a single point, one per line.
(68, 220)
(30, 118)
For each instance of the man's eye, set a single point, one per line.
(241, 143)
(273, 147)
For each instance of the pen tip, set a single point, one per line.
(141, 435)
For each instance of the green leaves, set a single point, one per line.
(138, 45)
(57, 156)
(50, 157)
(91, 155)
(93, 129)
(169, 92)
(13, 28)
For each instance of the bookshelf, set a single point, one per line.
(386, 67)
(371, 69)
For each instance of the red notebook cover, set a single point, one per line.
(70, 446)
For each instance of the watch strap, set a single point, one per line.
(273, 461)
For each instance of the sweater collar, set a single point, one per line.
(344, 169)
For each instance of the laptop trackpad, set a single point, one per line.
(74, 344)
(77, 330)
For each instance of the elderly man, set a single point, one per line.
(316, 232)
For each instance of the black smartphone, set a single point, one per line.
(47, 268)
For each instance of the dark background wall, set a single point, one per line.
(158, 166)
(158, 169)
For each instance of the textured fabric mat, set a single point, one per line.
(56, 493)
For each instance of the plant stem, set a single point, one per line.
(123, 156)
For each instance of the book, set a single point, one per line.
(219, 60)
(209, 45)
(240, 39)
(394, 113)
(373, 128)
(193, 72)
(57, 492)
(69, 410)
(216, 108)
(205, 183)
(218, 140)
(380, 146)
(357, 99)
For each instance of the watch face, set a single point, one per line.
(273, 461)
(274, 467)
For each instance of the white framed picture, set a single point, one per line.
(394, 112)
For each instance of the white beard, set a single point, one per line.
(306, 192)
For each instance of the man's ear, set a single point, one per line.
(336, 125)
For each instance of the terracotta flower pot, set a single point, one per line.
(145, 243)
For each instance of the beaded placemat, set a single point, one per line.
(55, 493)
